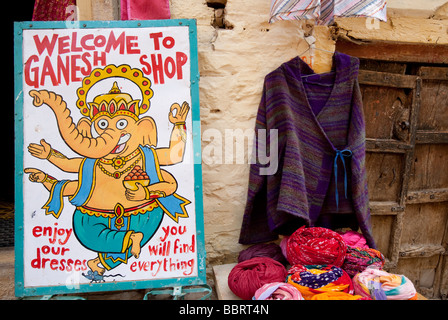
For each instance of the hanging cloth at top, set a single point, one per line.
(324, 11)
(145, 9)
(54, 10)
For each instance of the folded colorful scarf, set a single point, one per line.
(317, 279)
(316, 245)
(354, 239)
(381, 285)
(358, 259)
(278, 291)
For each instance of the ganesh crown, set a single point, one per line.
(114, 102)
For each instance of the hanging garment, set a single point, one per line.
(294, 10)
(352, 8)
(321, 176)
(53, 10)
(324, 11)
(145, 9)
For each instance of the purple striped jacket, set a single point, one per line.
(315, 123)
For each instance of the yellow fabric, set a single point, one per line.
(335, 296)
(308, 293)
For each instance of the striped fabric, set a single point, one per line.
(294, 10)
(313, 122)
(324, 11)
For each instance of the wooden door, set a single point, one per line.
(405, 100)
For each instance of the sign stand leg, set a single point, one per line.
(179, 292)
(53, 297)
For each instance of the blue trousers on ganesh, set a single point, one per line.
(113, 244)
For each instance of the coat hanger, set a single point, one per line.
(311, 41)
(312, 45)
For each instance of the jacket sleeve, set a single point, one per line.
(255, 225)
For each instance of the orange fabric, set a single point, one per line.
(335, 296)
(342, 284)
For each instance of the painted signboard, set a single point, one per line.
(108, 171)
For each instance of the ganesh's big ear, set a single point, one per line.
(148, 131)
(84, 125)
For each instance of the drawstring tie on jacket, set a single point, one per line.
(346, 153)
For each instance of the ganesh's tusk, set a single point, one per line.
(93, 131)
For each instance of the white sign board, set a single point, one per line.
(108, 177)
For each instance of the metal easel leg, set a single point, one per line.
(53, 297)
(178, 293)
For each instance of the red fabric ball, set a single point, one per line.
(316, 245)
(250, 275)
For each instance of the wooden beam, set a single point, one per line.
(395, 51)
(386, 79)
(386, 145)
(427, 196)
(433, 73)
(431, 137)
(384, 208)
(421, 251)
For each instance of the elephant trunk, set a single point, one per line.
(84, 145)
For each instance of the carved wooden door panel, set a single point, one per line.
(405, 95)
(407, 166)
(391, 103)
(424, 239)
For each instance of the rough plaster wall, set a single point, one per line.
(414, 8)
(105, 9)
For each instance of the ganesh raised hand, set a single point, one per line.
(177, 113)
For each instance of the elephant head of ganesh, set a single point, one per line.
(110, 126)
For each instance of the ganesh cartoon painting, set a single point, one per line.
(121, 193)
